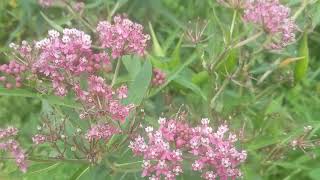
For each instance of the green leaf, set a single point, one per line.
(302, 65)
(139, 86)
(54, 100)
(314, 174)
(200, 77)
(229, 64)
(41, 167)
(175, 57)
(82, 170)
(261, 142)
(132, 64)
(159, 62)
(157, 49)
(51, 23)
(188, 84)
(17, 92)
(95, 4)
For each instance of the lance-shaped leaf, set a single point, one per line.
(139, 86)
(302, 65)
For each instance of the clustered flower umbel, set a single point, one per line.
(7, 143)
(12, 72)
(275, 20)
(102, 131)
(159, 77)
(215, 153)
(101, 100)
(123, 37)
(64, 58)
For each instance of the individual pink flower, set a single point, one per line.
(123, 37)
(274, 19)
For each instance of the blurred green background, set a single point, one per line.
(273, 112)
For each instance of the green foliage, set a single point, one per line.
(256, 95)
(302, 65)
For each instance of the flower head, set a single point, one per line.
(274, 19)
(101, 131)
(13, 147)
(122, 37)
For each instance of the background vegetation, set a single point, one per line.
(266, 98)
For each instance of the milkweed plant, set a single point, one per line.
(112, 96)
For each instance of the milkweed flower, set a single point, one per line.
(159, 159)
(9, 131)
(101, 131)
(68, 54)
(159, 77)
(7, 143)
(12, 74)
(123, 37)
(39, 139)
(274, 18)
(104, 99)
(214, 152)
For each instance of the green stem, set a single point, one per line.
(244, 42)
(299, 11)
(233, 23)
(116, 72)
(117, 169)
(115, 8)
(224, 85)
(79, 17)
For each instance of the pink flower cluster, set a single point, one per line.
(159, 159)
(101, 131)
(65, 58)
(215, 152)
(159, 77)
(274, 18)
(39, 139)
(13, 147)
(12, 72)
(8, 132)
(123, 37)
(61, 57)
(104, 100)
